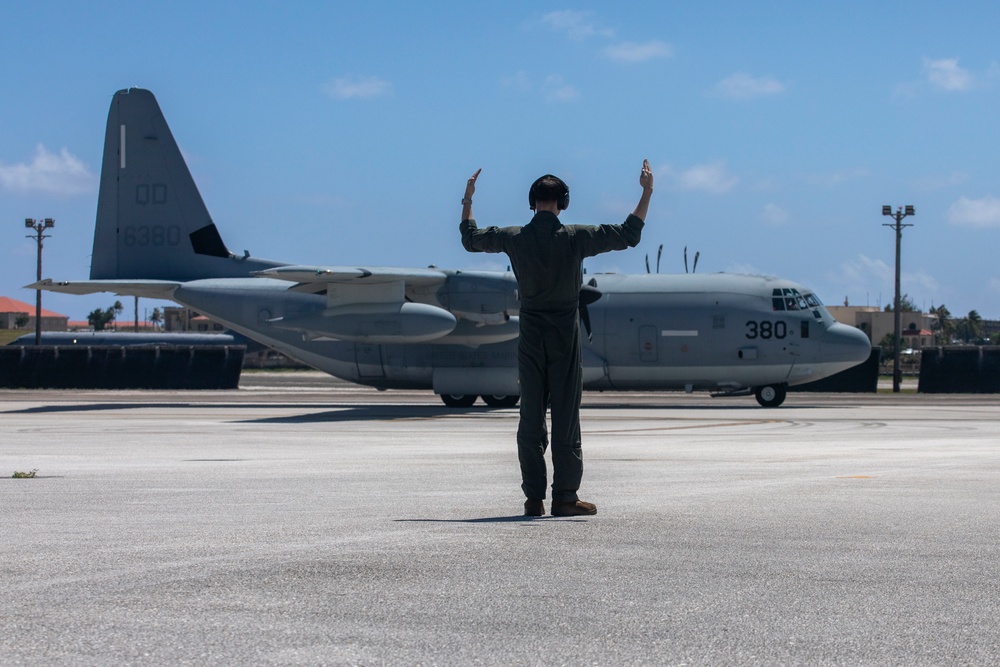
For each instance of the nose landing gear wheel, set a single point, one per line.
(770, 396)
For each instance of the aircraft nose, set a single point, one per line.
(845, 344)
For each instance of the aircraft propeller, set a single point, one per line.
(588, 295)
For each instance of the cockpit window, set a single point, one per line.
(788, 298)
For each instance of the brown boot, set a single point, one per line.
(534, 507)
(576, 508)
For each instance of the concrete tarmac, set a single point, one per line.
(302, 521)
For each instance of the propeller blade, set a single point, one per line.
(585, 317)
(588, 295)
(647, 263)
(658, 254)
(696, 256)
(685, 259)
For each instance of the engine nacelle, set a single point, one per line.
(374, 323)
(480, 297)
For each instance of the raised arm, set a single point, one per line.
(470, 189)
(646, 181)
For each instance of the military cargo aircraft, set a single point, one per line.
(451, 331)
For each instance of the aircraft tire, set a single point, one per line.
(495, 401)
(770, 395)
(459, 400)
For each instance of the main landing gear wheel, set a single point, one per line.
(500, 401)
(770, 396)
(459, 400)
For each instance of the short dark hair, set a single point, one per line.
(549, 188)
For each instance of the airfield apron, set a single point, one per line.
(547, 257)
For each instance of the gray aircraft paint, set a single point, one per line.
(451, 331)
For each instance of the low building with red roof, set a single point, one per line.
(12, 309)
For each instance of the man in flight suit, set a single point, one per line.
(547, 259)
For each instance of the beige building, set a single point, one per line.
(916, 327)
(176, 318)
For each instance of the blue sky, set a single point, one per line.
(342, 133)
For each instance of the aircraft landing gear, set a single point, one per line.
(500, 401)
(459, 400)
(771, 395)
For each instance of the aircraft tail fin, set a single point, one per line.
(151, 220)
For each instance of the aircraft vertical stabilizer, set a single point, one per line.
(151, 220)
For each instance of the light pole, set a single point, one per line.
(39, 226)
(901, 212)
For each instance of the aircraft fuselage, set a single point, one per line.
(717, 332)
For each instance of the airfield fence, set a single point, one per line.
(121, 367)
(960, 369)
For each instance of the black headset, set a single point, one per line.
(562, 202)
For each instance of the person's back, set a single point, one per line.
(547, 258)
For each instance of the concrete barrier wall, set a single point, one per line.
(121, 367)
(960, 370)
(862, 378)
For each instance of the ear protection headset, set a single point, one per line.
(562, 201)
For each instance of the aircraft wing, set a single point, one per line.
(150, 289)
(347, 275)
(369, 305)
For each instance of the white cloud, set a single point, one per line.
(748, 269)
(921, 279)
(833, 179)
(947, 75)
(557, 90)
(357, 87)
(743, 86)
(977, 213)
(553, 89)
(62, 174)
(876, 278)
(866, 271)
(712, 178)
(774, 215)
(519, 81)
(577, 25)
(940, 182)
(633, 52)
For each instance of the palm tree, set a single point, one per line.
(971, 327)
(906, 305)
(116, 311)
(943, 325)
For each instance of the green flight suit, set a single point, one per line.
(547, 259)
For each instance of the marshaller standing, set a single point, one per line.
(547, 259)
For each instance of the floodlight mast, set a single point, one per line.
(39, 226)
(901, 212)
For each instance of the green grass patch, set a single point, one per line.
(24, 475)
(7, 335)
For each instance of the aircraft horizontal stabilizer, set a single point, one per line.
(149, 289)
